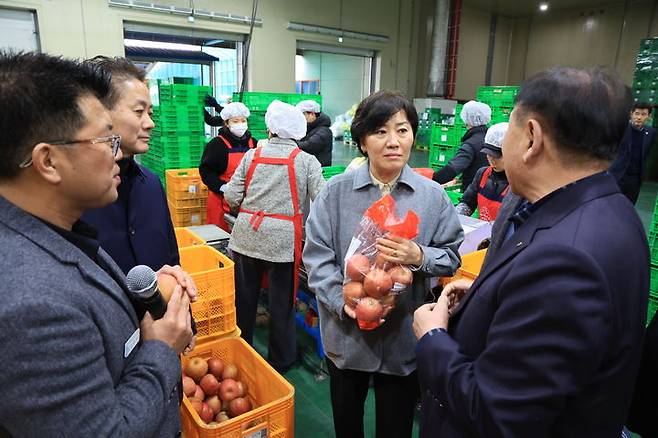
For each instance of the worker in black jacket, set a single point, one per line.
(468, 160)
(490, 185)
(207, 117)
(319, 141)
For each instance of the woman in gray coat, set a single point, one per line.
(384, 127)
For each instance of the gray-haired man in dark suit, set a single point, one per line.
(77, 361)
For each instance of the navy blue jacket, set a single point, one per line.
(548, 340)
(137, 228)
(619, 166)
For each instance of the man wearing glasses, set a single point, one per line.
(77, 361)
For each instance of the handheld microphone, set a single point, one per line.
(143, 286)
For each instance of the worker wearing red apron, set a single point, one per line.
(270, 187)
(222, 156)
(490, 184)
(488, 200)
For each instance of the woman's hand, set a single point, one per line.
(400, 250)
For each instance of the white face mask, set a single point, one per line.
(238, 129)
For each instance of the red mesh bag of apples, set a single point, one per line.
(371, 284)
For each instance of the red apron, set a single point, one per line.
(488, 201)
(258, 216)
(216, 205)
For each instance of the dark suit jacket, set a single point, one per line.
(547, 342)
(501, 224)
(619, 166)
(64, 324)
(136, 229)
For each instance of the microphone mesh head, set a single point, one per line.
(140, 278)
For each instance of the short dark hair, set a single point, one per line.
(39, 101)
(121, 70)
(642, 105)
(584, 111)
(375, 110)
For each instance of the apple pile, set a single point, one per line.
(371, 288)
(214, 391)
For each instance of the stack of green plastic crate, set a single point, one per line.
(258, 102)
(427, 119)
(653, 249)
(178, 139)
(500, 99)
(645, 79)
(446, 138)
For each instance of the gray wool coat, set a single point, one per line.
(335, 214)
(64, 324)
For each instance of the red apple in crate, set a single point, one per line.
(209, 384)
(196, 368)
(198, 393)
(242, 389)
(352, 293)
(357, 267)
(215, 404)
(377, 283)
(238, 407)
(369, 310)
(206, 413)
(230, 372)
(196, 404)
(228, 390)
(216, 367)
(189, 387)
(221, 417)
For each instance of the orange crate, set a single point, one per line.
(470, 268)
(185, 237)
(188, 203)
(427, 172)
(272, 396)
(185, 217)
(212, 272)
(185, 184)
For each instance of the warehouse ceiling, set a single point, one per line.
(516, 8)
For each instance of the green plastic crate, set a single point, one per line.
(183, 95)
(447, 135)
(258, 134)
(454, 196)
(653, 246)
(653, 285)
(651, 309)
(497, 95)
(257, 101)
(440, 155)
(329, 171)
(160, 164)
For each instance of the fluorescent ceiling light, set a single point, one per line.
(543, 7)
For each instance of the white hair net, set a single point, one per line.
(310, 106)
(495, 134)
(234, 109)
(285, 120)
(476, 113)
